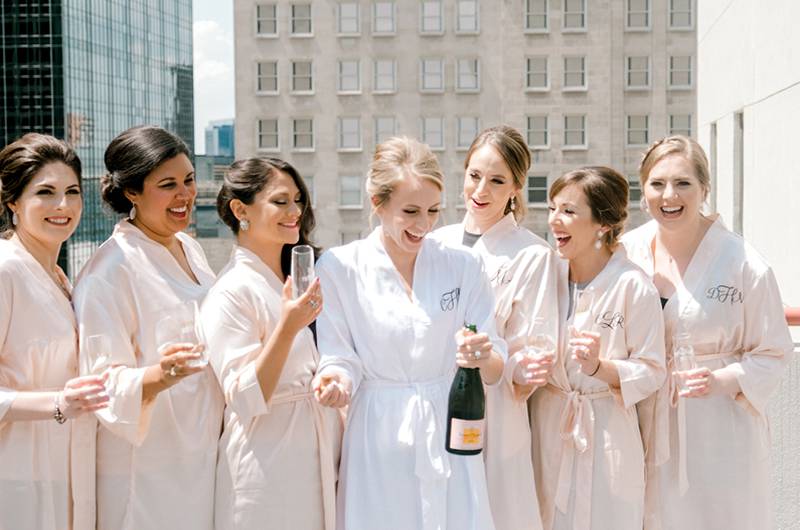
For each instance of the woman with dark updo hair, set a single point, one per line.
(156, 443)
(279, 447)
(40, 207)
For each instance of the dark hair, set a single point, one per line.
(21, 160)
(606, 193)
(247, 178)
(133, 155)
(511, 146)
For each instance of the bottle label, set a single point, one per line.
(466, 435)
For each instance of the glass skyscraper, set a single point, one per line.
(84, 71)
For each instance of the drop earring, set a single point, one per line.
(244, 224)
(598, 244)
(513, 203)
(132, 213)
(15, 219)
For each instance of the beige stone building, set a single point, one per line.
(320, 82)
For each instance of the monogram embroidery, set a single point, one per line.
(725, 293)
(610, 320)
(502, 276)
(450, 299)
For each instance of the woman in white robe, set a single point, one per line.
(587, 449)
(279, 448)
(393, 302)
(156, 444)
(40, 207)
(710, 445)
(522, 269)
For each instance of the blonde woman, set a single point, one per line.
(394, 303)
(521, 267)
(710, 465)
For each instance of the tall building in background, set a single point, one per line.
(85, 71)
(219, 138)
(320, 83)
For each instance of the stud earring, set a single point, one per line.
(244, 224)
(598, 244)
(132, 213)
(15, 219)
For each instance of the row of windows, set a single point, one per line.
(432, 131)
(467, 75)
(536, 18)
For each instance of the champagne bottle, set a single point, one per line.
(466, 409)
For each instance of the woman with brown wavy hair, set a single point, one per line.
(279, 447)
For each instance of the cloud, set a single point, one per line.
(213, 76)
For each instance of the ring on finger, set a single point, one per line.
(173, 370)
(313, 303)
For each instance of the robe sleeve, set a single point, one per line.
(103, 309)
(232, 330)
(644, 371)
(7, 395)
(337, 351)
(480, 306)
(766, 342)
(536, 295)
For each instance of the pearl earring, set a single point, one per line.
(244, 224)
(15, 219)
(598, 244)
(513, 202)
(132, 213)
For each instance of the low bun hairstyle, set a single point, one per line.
(247, 178)
(133, 155)
(21, 160)
(606, 193)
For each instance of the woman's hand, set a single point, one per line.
(298, 313)
(585, 348)
(175, 360)
(474, 349)
(533, 369)
(703, 382)
(332, 390)
(83, 394)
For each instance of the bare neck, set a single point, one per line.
(586, 267)
(270, 254)
(403, 261)
(682, 244)
(46, 254)
(477, 226)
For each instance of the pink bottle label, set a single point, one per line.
(466, 435)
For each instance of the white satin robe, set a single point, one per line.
(521, 267)
(587, 450)
(155, 463)
(38, 352)
(277, 457)
(710, 463)
(399, 351)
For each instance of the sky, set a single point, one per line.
(213, 65)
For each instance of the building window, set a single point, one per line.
(637, 72)
(638, 133)
(680, 71)
(680, 124)
(574, 73)
(468, 129)
(349, 77)
(574, 17)
(349, 134)
(536, 15)
(537, 189)
(350, 191)
(680, 14)
(267, 20)
(575, 131)
(268, 139)
(385, 128)
(467, 16)
(536, 76)
(303, 134)
(468, 75)
(431, 75)
(301, 19)
(302, 77)
(430, 17)
(638, 16)
(433, 133)
(348, 22)
(383, 18)
(384, 81)
(634, 189)
(537, 132)
(267, 77)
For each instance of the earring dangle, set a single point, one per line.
(15, 219)
(513, 203)
(598, 244)
(132, 213)
(244, 224)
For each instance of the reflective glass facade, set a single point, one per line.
(85, 70)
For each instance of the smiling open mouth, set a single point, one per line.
(60, 221)
(479, 204)
(562, 239)
(671, 211)
(413, 237)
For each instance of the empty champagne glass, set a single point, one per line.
(302, 270)
(181, 323)
(683, 359)
(98, 351)
(539, 344)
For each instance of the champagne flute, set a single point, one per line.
(180, 324)
(539, 344)
(98, 350)
(302, 269)
(683, 359)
